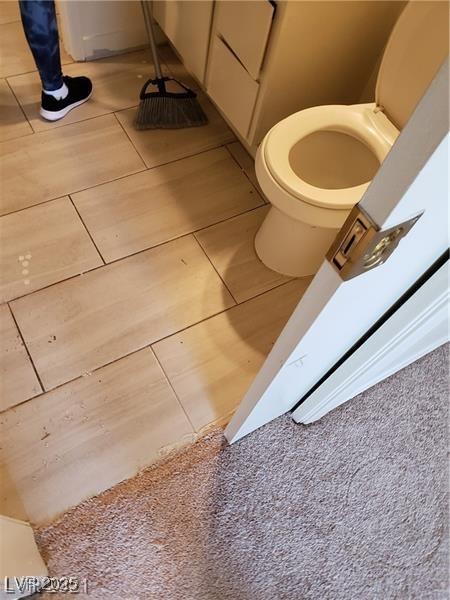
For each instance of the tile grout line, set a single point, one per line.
(149, 345)
(74, 62)
(152, 350)
(116, 260)
(9, 22)
(111, 362)
(91, 187)
(179, 237)
(230, 308)
(22, 110)
(22, 402)
(129, 139)
(244, 171)
(214, 267)
(46, 287)
(88, 232)
(54, 126)
(12, 212)
(17, 137)
(28, 353)
(168, 162)
(143, 48)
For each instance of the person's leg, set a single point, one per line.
(41, 30)
(60, 93)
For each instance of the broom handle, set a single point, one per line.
(151, 37)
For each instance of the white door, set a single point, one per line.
(334, 314)
(415, 326)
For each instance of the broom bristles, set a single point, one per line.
(169, 112)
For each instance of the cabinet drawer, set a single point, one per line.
(245, 27)
(231, 87)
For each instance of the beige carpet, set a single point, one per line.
(352, 507)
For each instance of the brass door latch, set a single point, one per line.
(361, 245)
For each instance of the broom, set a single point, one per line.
(162, 109)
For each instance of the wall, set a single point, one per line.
(96, 28)
(325, 53)
(19, 556)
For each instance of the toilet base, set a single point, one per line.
(291, 247)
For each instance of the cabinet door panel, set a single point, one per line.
(231, 87)
(187, 25)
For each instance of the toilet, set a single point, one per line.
(316, 164)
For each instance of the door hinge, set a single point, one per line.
(361, 245)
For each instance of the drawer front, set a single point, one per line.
(245, 27)
(231, 87)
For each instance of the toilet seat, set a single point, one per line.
(361, 121)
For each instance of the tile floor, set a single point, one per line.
(134, 312)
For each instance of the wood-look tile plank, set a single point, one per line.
(54, 163)
(42, 245)
(11, 504)
(9, 11)
(117, 82)
(18, 381)
(13, 123)
(89, 435)
(83, 323)
(146, 209)
(211, 365)
(230, 247)
(15, 55)
(159, 146)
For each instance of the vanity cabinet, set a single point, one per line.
(245, 27)
(187, 24)
(231, 87)
(238, 44)
(260, 60)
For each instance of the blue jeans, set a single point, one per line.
(41, 31)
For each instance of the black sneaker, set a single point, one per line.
(80, 89)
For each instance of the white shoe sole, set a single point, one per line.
(51, 115)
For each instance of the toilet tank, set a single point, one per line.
(417, 47)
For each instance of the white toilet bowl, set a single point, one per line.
(316, 164)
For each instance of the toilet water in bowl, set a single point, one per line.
(333, 160)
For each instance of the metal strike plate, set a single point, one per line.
(361, 245)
